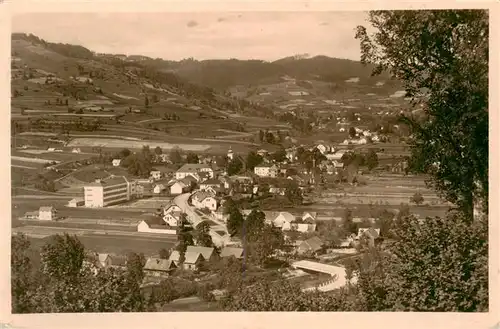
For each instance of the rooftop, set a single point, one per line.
(231, 251)
(205, 251)
(193, 167)
(158, 264)
(320, 267)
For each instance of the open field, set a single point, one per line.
(151, 204)
(31, 160)
(120, 245)
(21, 205)
(119, 143)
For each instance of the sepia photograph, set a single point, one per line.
(253, 161)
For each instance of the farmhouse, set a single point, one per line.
(107, 192)
(116, 162)
(193, 169)
(192, 260)
(159, 267)
(47, 213)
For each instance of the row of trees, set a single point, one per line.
(62, 279)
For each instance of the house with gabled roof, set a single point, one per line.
(208, 253)
(158, 267)
(282, 218)
(193, 169)
(159, 188)
(178, 188)
(232, 252)
(171, 208)
(192, 260)
(309, 216)
(47, 213)
(312, 245)
(173, 218)
(116, 162)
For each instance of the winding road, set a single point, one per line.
(182, 202)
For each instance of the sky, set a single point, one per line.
(203, 35)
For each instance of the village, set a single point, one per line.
(197, 195)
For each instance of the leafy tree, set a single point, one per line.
(348, 224)
(371, 160)
(281, 296)
(449, 48)
(280, 155)
(175, 155)
(203, 237)
(330, 232)
(164, 253)
(60, 247)
(352, 132)
(253, 160)
(192, 158)
(21, 267)
(184, 237)
(158, 150)
(426, 272)
(417, 198)
(235, 221)
(261, 136)
(270, 139)
(293, 193)
(234, 167)
(135, 266)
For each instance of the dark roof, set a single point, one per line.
(192, 167)
(157, 264)
(313, 243)
(212, 181)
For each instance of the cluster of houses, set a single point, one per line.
(156, 267)
(315, 246)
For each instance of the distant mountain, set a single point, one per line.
(222, 74)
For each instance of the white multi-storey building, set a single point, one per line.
(107, 192)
